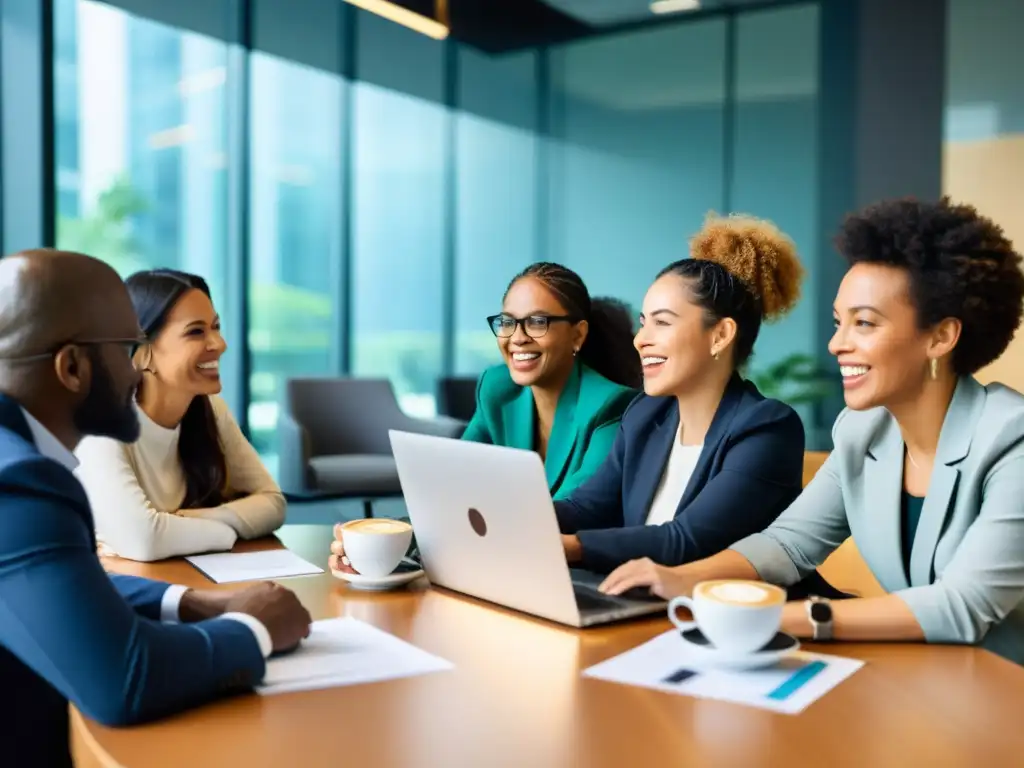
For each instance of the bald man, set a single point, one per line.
(122, 649)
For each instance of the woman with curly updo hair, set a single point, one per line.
(702, 458)
(927, 473)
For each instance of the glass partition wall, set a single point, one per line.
(391, 184)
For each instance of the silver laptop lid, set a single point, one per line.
(485, 524)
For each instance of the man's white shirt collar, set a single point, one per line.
(48, 445)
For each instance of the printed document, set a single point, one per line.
(667, 663)
(346, 651)
(228, 567)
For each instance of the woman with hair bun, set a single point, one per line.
(703, 458)
(927, 473)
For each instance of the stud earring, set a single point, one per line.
(715, 355)
(575, 351)
(934, 366)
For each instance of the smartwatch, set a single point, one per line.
(819, 611)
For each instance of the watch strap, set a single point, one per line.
(819, 613)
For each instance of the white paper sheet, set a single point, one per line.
(346, 651)
(228, 567)
(667, 663)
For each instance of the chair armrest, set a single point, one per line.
(293, 456)
(438, 426)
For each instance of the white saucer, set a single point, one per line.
(391, 581)
(774, 650)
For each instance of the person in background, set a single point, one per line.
(927, 473)
(122, 649)
(702, 458)
(569, 372)
(192, 482)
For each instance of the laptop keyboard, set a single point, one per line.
(590, 599)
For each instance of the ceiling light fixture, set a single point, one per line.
(435, 28)
(674, 6)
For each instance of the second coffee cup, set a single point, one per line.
(737, 617)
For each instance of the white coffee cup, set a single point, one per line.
(374, 547)
(737, 617)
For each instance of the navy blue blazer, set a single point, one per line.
(749, 471)
(70, 632)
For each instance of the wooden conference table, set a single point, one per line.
(516, 698)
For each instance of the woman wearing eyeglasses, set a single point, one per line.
(191, 482)
(570, 371)
(703, 458)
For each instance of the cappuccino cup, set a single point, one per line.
(737, 617)
(374, 547)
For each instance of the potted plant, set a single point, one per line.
(798, 379)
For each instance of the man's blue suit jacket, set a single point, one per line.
(70, 632)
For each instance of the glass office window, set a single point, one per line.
(984, 98)
(140, 113)
(496, 192)
(398, 210)
(636, 158)
(775, 154)
(65, 73)
(295, 243)
(983, 147)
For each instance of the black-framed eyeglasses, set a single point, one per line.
(130, 345)
(534, 326)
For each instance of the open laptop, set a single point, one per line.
(485, 526)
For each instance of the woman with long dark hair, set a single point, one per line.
(569, 373)
(192, 482)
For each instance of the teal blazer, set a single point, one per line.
(586, 422)
(966, 578)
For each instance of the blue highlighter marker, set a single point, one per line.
(797, 680)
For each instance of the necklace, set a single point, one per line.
(911, 457)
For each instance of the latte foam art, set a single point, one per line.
(739, 593)
(377, 526)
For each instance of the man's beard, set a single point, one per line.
(105, 412)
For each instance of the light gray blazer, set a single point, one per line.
(967, 560)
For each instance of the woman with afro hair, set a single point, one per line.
(927, 473)
(702, 458)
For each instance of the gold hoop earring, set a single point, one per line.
(934, 367)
